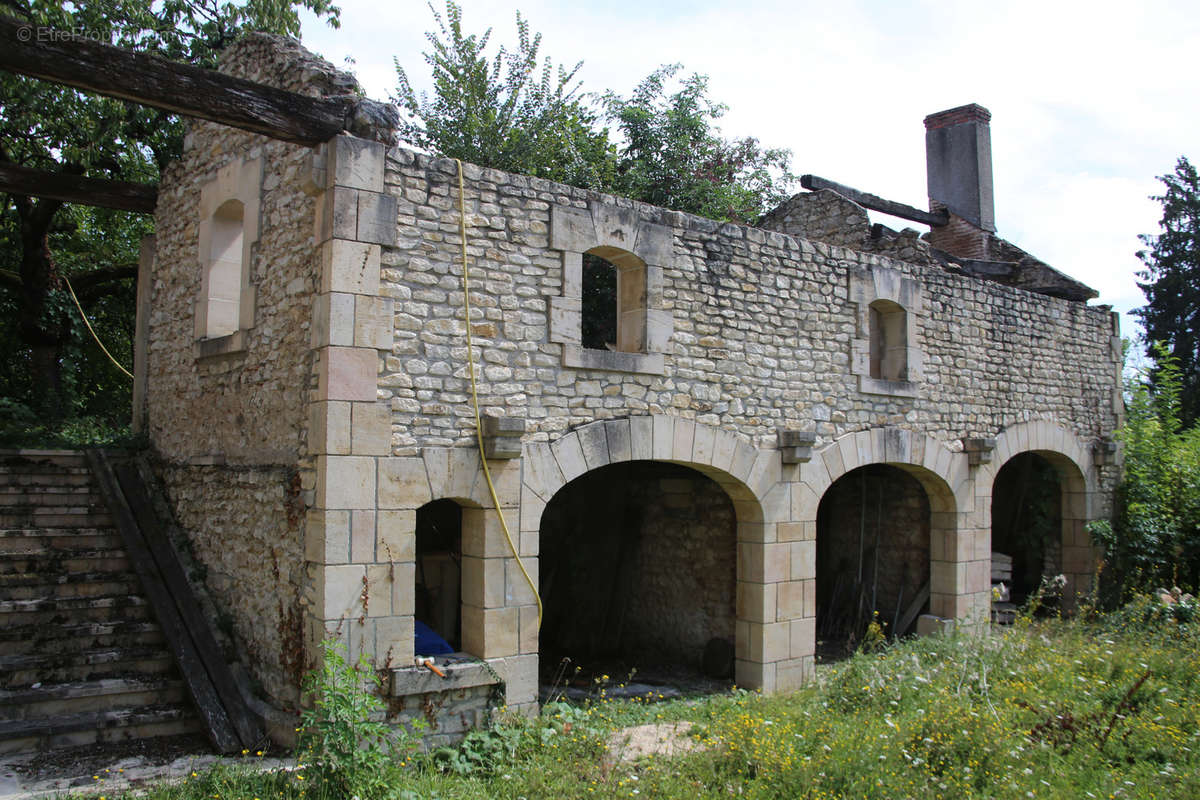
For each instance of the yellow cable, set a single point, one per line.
(92, 330)
(487, 474)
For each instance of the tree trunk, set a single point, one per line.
(43, 331)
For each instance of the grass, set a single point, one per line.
(1107, 708)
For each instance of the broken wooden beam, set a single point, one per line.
(877, 203)
(122, 195)
(179, 88)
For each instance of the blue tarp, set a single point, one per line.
(428, 643)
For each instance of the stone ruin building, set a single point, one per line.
(794, 425)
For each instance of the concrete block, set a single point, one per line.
(483, 582)
(336, 215)
(662, 447)
(482, 535)
(756, 602)
(341, 590)
(349, 266)
(617, 432)
(593, 442)
(379, 590)
(371, 429)
(345, 482)
(655, 244)
(362, 536)
(490, 632)
(356, 163)
(571, 229)
(329, 428)
(347, 373)
(464, 468)
(569, 455)
(803, 560)
(506, 479)
(520, 675)
(393, 642)
(377, 215)
(684, 436)
(517, 591)
(641, 438)
(790, 601)
(373, 322)
(572, 274)
(327, 536)
(403, 483)
(802, 637)
(395, 535)
(333, 320)
(702, 444)
(614, 226)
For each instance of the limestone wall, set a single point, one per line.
(228, 419)
(763, 328)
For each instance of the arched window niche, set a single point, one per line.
(884, 353)
(610, 314)
(228, 231)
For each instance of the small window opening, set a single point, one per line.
(599, 318)
(223, 315)
(439, 578)
(889, 341)
(614, 301)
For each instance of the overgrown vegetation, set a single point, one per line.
(1107, 706)
(1154, 536)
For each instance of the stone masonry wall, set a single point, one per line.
(763, 325)
(230, 429)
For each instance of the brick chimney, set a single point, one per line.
(958, 165)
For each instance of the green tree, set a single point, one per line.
(503, 112)
(55, 128)
(1154, 538)
(1171, 283)
(673, 155)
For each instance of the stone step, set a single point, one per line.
(29, 541)
(91, 727)
(72, 610)
(28, 458)
(35, 586)
(76, 636)
(56, 517)
(38, 497)
(25, 669)
(53, 700)
(63, 478)
(65, 562)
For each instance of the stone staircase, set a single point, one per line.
(82, 659)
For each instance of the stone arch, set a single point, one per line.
(959, 558)
(773, 630)
(1080, 504)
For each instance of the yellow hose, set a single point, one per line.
(92, 330)
(487, 474)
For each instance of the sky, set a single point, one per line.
(1090, 101)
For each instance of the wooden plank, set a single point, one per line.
(247, 726)
(180, 88)
(195, 676)
(123, 195)
(876, 203)
(913, 610)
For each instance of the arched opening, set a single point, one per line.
(438, 601)
(638, 571)
(224, 270)
(889, 341)
(1027, 525)
(613, 306)
(873, 557)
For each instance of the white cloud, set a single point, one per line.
(1089, 101)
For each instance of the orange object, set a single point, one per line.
(434, 668)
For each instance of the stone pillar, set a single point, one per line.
(361, 558)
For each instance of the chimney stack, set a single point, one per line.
(958, 165)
